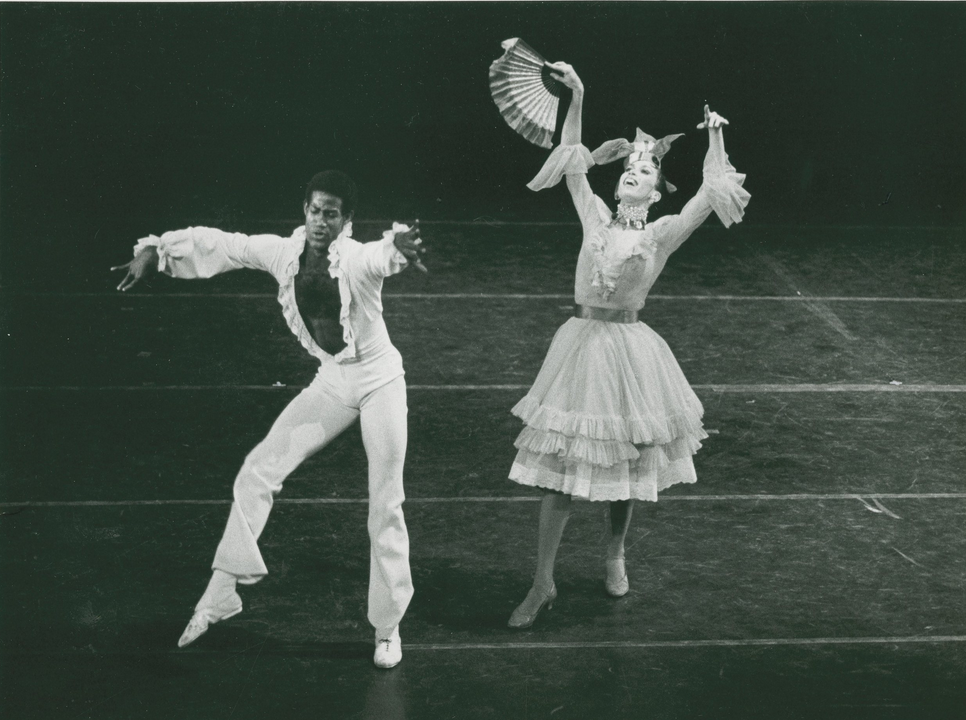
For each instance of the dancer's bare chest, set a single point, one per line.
(319, 303)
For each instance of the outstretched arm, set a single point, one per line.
(410, 244)
(200, 252)
(400, 247)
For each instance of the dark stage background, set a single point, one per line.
(122, 120)
(816, 570)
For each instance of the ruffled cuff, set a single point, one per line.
(394, 256)
(564, 160)
(155, 242)
(726, 196)
(723, 185)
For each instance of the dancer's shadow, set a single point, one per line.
(241, 639)
(459, 598)
(386, 696)
(456, 598)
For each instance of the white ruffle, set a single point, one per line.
(607, 453)
(564, 160)
(290, 310)
(723, 184)
(389, 240)
(337, 270)
(610, 416)
(635, 429)
(611, 248)
(576, 448)
(727, 197)
(628, 480)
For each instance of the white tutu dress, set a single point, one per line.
(611, 415)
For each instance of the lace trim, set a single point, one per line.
(581, 481)
(607, 453)
(635, 430)
(596, 452)
(608, 261)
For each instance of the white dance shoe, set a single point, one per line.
(208, 614)
(388, 649)
(616, 580)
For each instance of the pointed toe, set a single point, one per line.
(197, 626)
(208, 615)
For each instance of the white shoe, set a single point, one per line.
(388, 649)
(227, 607)
(616, 581)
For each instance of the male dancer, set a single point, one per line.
(330, 292)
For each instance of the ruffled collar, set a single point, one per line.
(336, 252)
(286, 295)
(335, 247)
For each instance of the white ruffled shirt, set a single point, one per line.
(617, 267)
(200, 252)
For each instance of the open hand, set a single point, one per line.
(566, 74)
(712, 120)
(143, 264)
(411, 245)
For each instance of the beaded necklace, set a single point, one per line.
(630, 216)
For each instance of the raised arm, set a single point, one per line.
(721, 192)
(571, 132)
(200, 252)
(570, 158)
(716, 162)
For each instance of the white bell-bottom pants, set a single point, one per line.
(373, 390)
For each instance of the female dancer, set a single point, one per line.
(611, 416)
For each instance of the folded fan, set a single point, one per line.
(525, 92)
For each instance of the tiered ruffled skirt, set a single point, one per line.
(610, 416)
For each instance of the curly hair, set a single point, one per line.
(337, 183)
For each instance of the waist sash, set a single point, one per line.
(616, 315)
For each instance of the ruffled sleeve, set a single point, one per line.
(379, 258)
(382, 257)
(721, 193)
(200, 252)
(564, 160)
(725, 193)
(572, 161)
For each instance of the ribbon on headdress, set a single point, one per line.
(644, 147)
